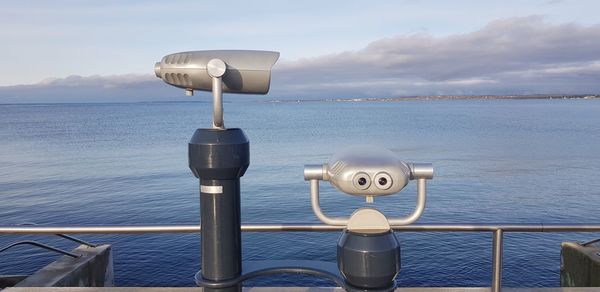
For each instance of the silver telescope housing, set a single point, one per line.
(234, 71)
(246, 71)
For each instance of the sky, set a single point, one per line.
(328, 48)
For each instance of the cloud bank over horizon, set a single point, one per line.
(522, 55)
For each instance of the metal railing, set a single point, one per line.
(497, 231)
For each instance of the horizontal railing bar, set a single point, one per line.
(116, 229)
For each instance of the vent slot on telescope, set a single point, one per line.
(178, 79)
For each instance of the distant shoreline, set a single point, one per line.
(362, 99)
(442, 97)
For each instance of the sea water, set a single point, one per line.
(496, 161)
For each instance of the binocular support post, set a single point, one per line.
(314, 174)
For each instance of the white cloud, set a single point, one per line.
(109, 81)
(490, 59)
(509, 56)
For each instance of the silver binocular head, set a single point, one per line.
(367, 171)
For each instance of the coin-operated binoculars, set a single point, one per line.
(219, 156)
(368, 253)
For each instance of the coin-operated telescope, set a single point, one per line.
(233, 71)
(368, 253)
(219, 156)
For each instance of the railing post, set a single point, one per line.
(497, 261)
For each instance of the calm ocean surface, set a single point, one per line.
(496, 161)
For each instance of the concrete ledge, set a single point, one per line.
(580, 265)
(93, 269)
(10, 280)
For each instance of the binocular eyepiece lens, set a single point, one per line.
(362, 181)
(383, 180)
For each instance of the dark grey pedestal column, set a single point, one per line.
(368, 262)
(219, 158)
